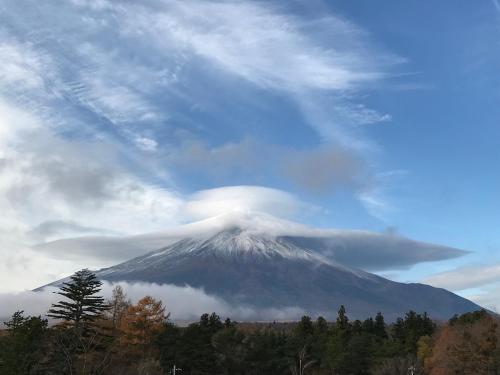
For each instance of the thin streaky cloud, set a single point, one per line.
(466, 277)
(496, 4)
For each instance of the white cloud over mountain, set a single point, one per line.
(208, 203)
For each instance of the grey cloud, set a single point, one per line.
(78, 181)
(108, 250)
(75, 172)
(320, 170)
(323, 169)
(380, 251)
(55, 229)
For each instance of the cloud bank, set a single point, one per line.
(184, 303)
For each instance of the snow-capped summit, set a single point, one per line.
(235, 243)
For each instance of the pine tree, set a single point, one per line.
(304, 328)
(337, 354)
(82, 306)
(379, 326)
(22, 347)
(342, 320)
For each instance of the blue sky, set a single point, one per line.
(376, 116)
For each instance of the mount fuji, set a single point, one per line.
(259, 261)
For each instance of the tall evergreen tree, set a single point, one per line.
(342, 319)
(337, 354)
(82, 306)
(304, 328)
(379, 326)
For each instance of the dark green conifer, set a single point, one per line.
(379, 326)
(342, 319)
(82, 306)
(22, 347)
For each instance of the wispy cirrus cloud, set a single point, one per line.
(97, 96)
(375, 194)
(251, 41)
(134, 71)
(496, 4)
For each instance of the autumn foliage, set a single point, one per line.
(142, 321)
(466, 345)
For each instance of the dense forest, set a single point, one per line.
(94, 336)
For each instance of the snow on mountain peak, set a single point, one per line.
(238, 241)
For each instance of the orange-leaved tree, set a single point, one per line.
(468, 344)
(143, 321)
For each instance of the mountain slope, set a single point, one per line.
(268, 271)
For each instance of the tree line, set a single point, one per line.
(97, 336)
